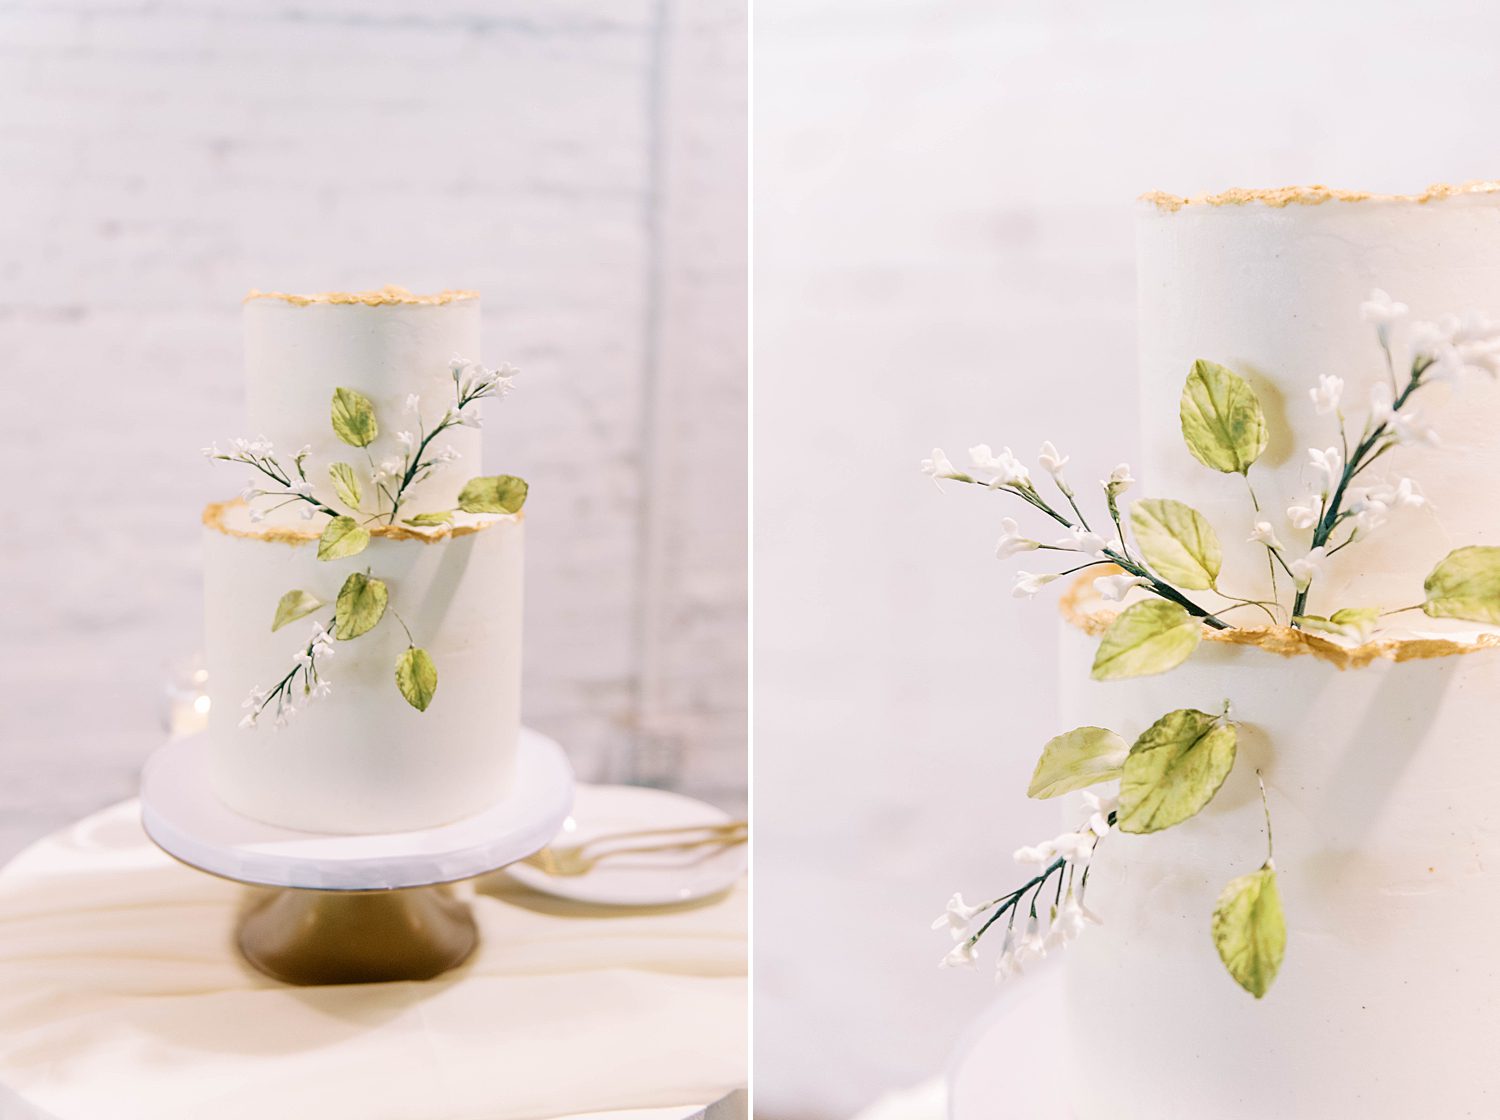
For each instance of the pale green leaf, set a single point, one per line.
(1466, 584)
(342, 536)
(1250, 930)
(294, 605)
(1076, 760)
(1149, 637)
(361, 604)
(502, 493)
(1177, 542)
(346, 484)
(416, 677)
(1174, 769)
(440, 518)
(354, 418)
(1222, 420)
(1346, 622)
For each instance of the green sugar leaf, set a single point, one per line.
(342, 536)
(1076, 760)
(416, 677)
(441, 518)
(1466, 584)
(1222, 421)
(354, 418)
(1250, 930)
(1174, 769)
(502, 493)
(1178, 542)
(294, 605)
(1149, 637)
(361, 604)
(346, 484)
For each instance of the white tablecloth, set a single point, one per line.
(122, 998)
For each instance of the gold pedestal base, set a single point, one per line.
(357, 937)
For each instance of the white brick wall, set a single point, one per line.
(579, 163)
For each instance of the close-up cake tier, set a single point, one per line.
(362, 759)
(1382, 791)
(1269, 285)
(386, 345)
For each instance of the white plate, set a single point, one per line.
(648, 879)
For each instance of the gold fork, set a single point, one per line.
(575, 859)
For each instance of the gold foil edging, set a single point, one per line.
(214, 518)
(388, 296)
(1314, 195)
(1284, 640)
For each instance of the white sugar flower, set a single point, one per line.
(1036, 854)
(1119, 480)
(406, 440)
(1081, 540)
(1028, 583)
(212, 451)
(1009, 470)
(446, 455)
(469, 417)
(963, 955)
(321, 689)
(1100, 807)
(1011, 542)
(303, 657)
(248, 720)
(1076, 847)
(321, 641)
(1327, 468)
(256, 698)
(1402, 493)
(261, 446)
(1383, 312)
(257, 515)
(1427, 338)
(1115, 588)
(303, 452)
(1051, 461)
(301, 487)
(413, 403)
(1326, 396)
(309, 512)
(390, 468)
(1264, 534)
(240, 445)
(956, 918)
(1307, 569)
(1305, 512)
(251, 491)
(1032, 945)
(1406, 424)
(938, 466)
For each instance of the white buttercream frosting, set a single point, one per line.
(361, 759)
(1271, 289)
(386, 345)
(1382, 784)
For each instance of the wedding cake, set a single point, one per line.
(368, 580)
(1318, 633)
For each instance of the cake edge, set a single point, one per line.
(1312, 195)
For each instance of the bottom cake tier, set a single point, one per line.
(1383, 780)
(362, 759)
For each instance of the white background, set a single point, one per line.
(944, 254)
(579, 162)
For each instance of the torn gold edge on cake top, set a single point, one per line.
(215, 517)
(1314, 195)
(1283, 640)
(390, 295)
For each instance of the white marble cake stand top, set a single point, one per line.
(183, 816)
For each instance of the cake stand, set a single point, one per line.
(1010, 1063)
(352, 909)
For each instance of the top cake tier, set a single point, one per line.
(1269, 284)
(385, 344)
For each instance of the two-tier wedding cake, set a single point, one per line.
(1289, 635)
(363, 595)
